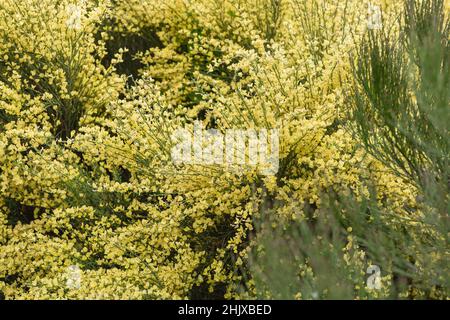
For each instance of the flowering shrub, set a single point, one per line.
(91, 93)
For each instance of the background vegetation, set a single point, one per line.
(91, 92)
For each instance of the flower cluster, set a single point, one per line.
(91, 93)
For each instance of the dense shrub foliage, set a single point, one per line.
(92, 91)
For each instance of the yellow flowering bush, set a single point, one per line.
(91, 94)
